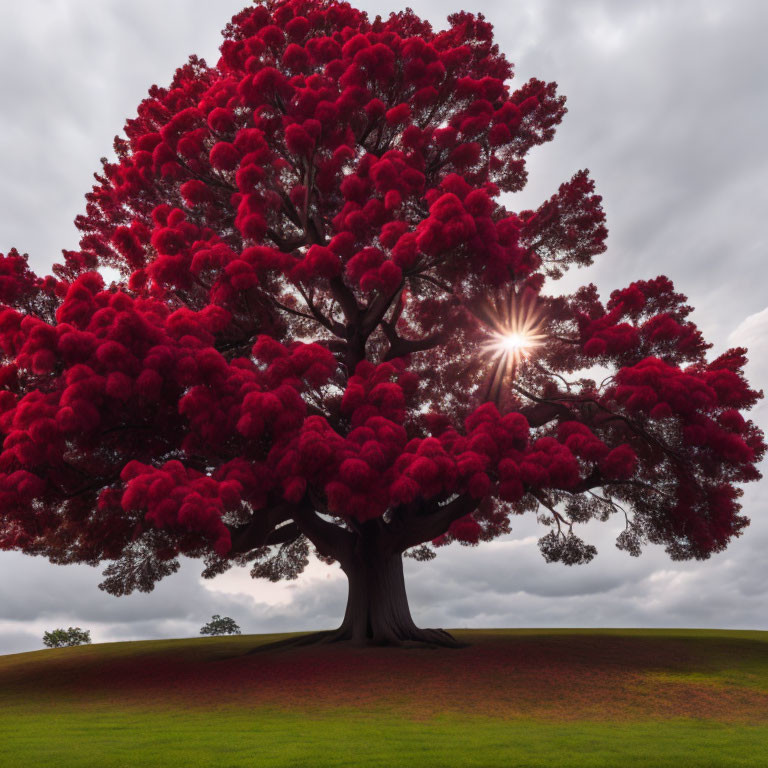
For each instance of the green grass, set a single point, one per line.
(581, 698)
(263, 738)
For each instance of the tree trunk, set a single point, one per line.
(377, 610)
(377, 605)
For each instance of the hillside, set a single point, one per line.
(566, 697)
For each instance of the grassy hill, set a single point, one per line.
(512, 698)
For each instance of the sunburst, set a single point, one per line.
(516, 327)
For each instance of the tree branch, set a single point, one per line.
(576, 400)
(542, 413)
(283, 535)
(257, 530)
(377, 309)
(335, 328)
(432, 280)
(399, 347)
(346, 299)
(412, 530)
(594, 480)
(292, 311)
(330, 540)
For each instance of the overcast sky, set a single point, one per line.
(668, 108)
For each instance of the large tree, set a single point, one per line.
(330, 335)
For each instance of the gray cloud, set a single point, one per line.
(667, 107)
(73, 591)
(18, 640)
(73, 73)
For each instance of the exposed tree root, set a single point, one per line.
(417, 638)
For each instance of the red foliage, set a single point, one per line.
(337, 180)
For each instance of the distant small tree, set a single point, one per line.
(58, 638)
(219, 625)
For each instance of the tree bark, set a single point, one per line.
(377, 611)
(370, 555)
(377, 605)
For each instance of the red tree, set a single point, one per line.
(331, 333)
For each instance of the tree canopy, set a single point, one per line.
(220, 625)
(60, 638)
(331, 334)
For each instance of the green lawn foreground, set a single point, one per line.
(514, 698)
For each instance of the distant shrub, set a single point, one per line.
(220, 625)
(58, 638)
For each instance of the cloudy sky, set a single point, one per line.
(668, 109)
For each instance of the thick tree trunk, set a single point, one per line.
(377, 605)
(377, 610)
